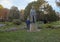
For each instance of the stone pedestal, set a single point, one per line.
(33, 27)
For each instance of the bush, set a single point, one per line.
(16, 21)
(46, 26)
(8, 23)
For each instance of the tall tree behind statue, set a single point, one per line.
(41, 15)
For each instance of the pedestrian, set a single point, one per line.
(28, 23)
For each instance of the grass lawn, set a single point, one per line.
(52, 24)
(9, 25)
(44, 35)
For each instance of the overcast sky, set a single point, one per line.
(21, 4)
(53, 4)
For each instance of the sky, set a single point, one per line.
(21, 4)
(53, 4)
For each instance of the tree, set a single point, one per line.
(3, 13)
(1, 7)
(50, 16)
(14, 13)
(36, 5)
(22, 15)
(58, 3)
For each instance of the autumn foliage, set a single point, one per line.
(3, 13)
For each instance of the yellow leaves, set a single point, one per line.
(22, 11)
(1, 7)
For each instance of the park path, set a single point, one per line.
(14, 29)
(2, 25)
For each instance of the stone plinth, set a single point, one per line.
(33, 27)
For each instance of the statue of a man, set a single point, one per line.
(33, 15)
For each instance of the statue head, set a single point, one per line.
(32, 7)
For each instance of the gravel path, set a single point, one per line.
(2, 25)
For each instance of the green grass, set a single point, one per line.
(55, 23)
(44, 35)
(49, 24)
(7, 25)
(11, 25)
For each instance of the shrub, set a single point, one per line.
(50, 26)
(46, 26)
(16, 21)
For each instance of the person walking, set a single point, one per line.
(28, 23)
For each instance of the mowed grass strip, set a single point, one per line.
(45, 35)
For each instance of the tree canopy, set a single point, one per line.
(36, 5)
(40, 14)
(14, 13)
(1, 7)
(58, 2)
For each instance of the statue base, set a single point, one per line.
(33, 27)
